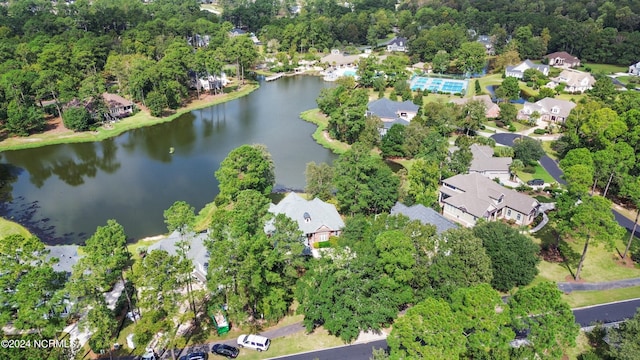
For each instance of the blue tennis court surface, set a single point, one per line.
(438, 84)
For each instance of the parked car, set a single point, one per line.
(255, 342)
(535, 182)
(225, 350)
(195, 356)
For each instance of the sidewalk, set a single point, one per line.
(568, 287)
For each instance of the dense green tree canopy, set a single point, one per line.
(365, 184)
(461, 261)
(528, 150)
(513, 255)
(246, 167)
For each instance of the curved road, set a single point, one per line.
(552, 168)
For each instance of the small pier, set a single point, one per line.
(274, 77)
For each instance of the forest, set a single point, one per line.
(54, 53)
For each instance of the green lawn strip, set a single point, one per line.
(603, 68)
(142, 243)
(546, 146)
(141, 119)
(406, 163)
(294, 343)
(624, 79)
(600, 264)
(8, 227)
(203, 219)
(587, 298)
(571, 97)
(540, 173)
(314, 116)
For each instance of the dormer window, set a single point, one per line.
(555, 110)
(307, 217)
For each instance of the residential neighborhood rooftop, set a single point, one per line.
(311, 215)
(425, 215)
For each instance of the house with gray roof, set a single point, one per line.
(397, 44)
(66, 255)
(517, 71)
(549, 109)
(487, 42)
(392, 112)
(427, 216)
(317, 219)
(573, 80)
(465, 198)
(634, 69)
(197, 253)
(485, 164)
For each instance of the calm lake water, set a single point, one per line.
(63, 192)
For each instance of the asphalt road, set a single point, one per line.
(351, 352)
(548, 163)
(552, 168)
(607, 313)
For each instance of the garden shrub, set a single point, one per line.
(539, 131)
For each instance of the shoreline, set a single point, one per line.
(139, 120)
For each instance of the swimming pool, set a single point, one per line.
(438, 84)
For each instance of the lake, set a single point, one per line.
(63, 192)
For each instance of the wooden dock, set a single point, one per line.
(274, 77)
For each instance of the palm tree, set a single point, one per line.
(516, 165)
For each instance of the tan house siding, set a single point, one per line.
(459, 216)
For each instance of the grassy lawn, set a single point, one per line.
(320, 136)
(624, 79)
(604, 68)
(587, 298)
(8, 227)
(600, 265)
(203, 219)
(141, 119)
(546, 146)
(406, 163)
(571, 97)
(294, 343)
(540, 173)
(495, 79)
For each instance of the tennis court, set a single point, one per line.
(438, 85)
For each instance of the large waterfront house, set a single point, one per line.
(317, 219)
(548, 109)
(485, 164)
(197, 252)
(517, 71)
(465, 198)
(562, 59)
(392, 112)
(427, 216)
(634, 69)
(573, 80)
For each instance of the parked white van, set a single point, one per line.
(255, 342)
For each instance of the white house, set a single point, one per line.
(549, 109)
(574, 80)
(517, 71)
(634, 69)
(397, 44)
